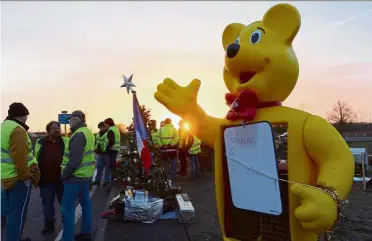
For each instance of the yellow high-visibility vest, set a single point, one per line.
(196, 146)
(7, 164)
(39, 144)
(155, 138)
(116, 146)
(168, 136)
(86, 168)
(102, 140)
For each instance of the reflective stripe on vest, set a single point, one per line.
(196, 147)
(116, 131)
(167, 150)
(7, 166)
(155, 138)
(102, 141)
(165, 136)
(38, 147)
(86, 168)
(97, 140)
(9, 159)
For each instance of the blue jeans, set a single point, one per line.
(103, 162)
(195, 166)
(48, 192)
(173, 166)
(71, 192)
(169, 159)
(112, 162)
(14, 205)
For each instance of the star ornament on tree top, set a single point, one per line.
(128, 83)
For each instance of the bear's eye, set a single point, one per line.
(237, 40)
(256, 36)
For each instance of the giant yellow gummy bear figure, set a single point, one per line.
(260, 59)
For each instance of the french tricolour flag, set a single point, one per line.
(142, 134)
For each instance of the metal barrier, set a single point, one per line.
(361, 159)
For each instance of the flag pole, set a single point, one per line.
(128, 84)
(142, 115)
(136, 102)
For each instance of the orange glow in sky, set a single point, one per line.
(70, 56)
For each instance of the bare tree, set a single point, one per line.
(341, 114)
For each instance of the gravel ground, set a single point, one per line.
(357, 223)
(355, 226)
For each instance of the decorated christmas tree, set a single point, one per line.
(131, 169)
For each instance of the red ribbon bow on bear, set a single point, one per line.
(245, 105)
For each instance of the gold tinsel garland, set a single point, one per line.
(331, 191)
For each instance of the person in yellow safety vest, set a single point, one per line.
(185, 142)
(168, 140)
(158, 133)
(113, 145)
(77, 173)
(155, 138)
(102, 157)
(154, 133)
(49, 152)
(18, 170)
(194, 152)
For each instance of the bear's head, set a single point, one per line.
(260, 56)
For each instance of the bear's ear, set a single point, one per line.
(284, 19)
(230, 33)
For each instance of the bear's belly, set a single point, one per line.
(249, 225)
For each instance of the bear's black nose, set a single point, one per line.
(232, 50)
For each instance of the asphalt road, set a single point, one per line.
(205, 228)
(35, 221)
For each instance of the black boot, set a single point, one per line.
(26, 239)
(83, 237)
(48, 227)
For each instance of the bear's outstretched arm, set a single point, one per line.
(331, 154)
(203, 125)
(182, 101)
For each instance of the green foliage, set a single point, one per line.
(130, 168)
(150, 123)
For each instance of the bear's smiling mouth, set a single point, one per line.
(246, 76)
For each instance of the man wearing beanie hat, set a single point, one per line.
(77, 173)
(18, 170)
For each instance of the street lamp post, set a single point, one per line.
(65, 112)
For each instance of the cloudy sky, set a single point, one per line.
(71, 55)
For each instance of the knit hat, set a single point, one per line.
(79, 114)
(17, 110)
